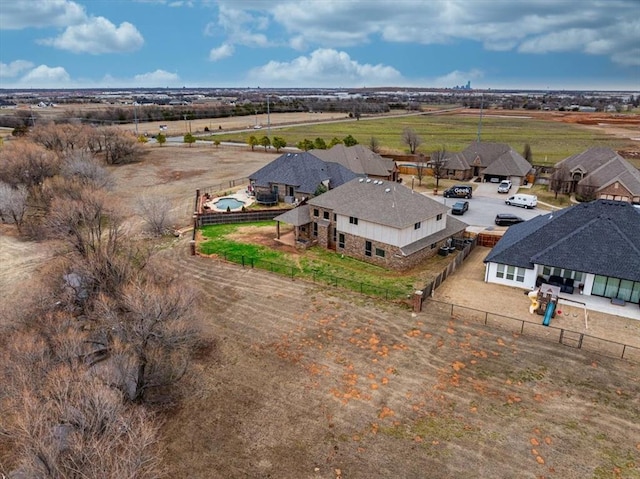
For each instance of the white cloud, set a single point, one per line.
(223, 51)
(14, 68)
(156, 78)
(595, 27)
(17, 15)
(44, 76)
(324, 67)
(98, 35)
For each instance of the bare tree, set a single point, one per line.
(411, 139)
(438, 164)
(119, 147)
(150, 332)
(155, 210)
(559, 180)
(586, 191)
(23, 162)
(64, 421)
(82, 167)
(13, 204)
(421, 167)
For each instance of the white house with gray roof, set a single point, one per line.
(592, 248)
(381, 222)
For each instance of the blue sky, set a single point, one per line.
(497, 44)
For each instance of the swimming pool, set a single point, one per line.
(228, 202)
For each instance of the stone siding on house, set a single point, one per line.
(354, 246)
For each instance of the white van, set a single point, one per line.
(525, 201)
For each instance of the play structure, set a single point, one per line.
(544, 301)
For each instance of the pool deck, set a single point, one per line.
(240, 195)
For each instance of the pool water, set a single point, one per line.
(231, 203)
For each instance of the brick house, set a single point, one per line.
(381, 222)
(490, 161)
(361, 160)
(591, 248)
(600, 173)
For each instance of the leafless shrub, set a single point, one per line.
(411, 139)
(28, 164)
(119, 147)
(13, 204)
(83, 168)
(156, 212)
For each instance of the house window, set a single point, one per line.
(325, 215)
(315, 229)
(316, 212)
(416, 226)
(367, 248)
(510, 272)
(520, 275)
(341, 240)
(353, 220)
(500, 271)
(439, 217)
(380, 252)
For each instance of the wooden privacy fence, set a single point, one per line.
(562, 336)
(205, 219)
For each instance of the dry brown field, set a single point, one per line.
(301, 381)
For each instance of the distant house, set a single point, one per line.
(297, 176)
(490, 161)
(377, 221)
(592, 248)
(361, 160)
(600, 173)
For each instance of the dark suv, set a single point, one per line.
(506, 219)
(459, 207)
(458, 191)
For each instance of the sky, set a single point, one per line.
(493, 44)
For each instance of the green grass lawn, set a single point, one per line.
(549, 141)
(318, 264)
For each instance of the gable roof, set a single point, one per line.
(604, 167)
(497, 158)
(381, 202)
(302, 170)
(600, 237)
(358, 158)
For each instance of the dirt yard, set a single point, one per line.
(305, 382)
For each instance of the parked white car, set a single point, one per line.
(525, 201)
(504, 186)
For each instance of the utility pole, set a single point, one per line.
(480, 122)
(135, 115)
(268, 119)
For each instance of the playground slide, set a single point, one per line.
(549, 313)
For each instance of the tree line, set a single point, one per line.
(103, 332)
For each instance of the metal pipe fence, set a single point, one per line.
(317, 276)
(566, 337)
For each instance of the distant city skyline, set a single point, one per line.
(497, 44)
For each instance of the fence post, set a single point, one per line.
(624, 347)
(417, 301)
(486, 317)
(242, 260)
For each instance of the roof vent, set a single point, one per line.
(387, 190)
(368, 180)
(361, 180)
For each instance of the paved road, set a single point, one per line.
(486, 204)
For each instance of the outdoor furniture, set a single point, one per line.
(567, 287)
(555, 281)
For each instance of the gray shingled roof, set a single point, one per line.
(600, 237)
(358, 158)
(454, 227)
(381, 202)
(298, 216)
(497, 158)
(303, 171)
(603, 167)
